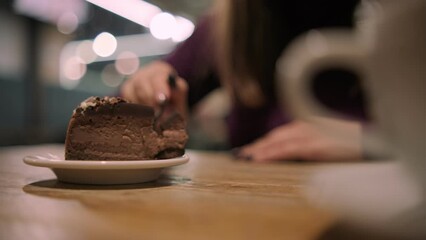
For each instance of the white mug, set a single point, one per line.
(388, 49)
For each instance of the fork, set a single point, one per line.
(164, 103)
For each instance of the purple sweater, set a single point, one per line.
(194, 60)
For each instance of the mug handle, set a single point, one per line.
(307, 55)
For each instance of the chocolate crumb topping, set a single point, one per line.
(94, 102)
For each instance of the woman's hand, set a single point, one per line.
(303, 141)
(149, 86)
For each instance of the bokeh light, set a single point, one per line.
(163, 25)
(74, 69)
(184, 29)
(127, 63)
(111, 77)
(104, 44)
(67, 23)
(85, 51)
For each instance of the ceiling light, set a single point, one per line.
(137, 11)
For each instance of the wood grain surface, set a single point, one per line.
(211, 197)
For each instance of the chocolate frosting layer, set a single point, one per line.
(114, 106)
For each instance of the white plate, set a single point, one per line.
(104, 172)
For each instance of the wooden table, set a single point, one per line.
(211, 197)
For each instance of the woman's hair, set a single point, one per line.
(241, 36)
(252, 34)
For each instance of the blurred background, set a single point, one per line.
(56, 53)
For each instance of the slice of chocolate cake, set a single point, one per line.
(111, 128)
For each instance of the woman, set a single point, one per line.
(236, 47)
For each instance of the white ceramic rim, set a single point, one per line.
(42, 161)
